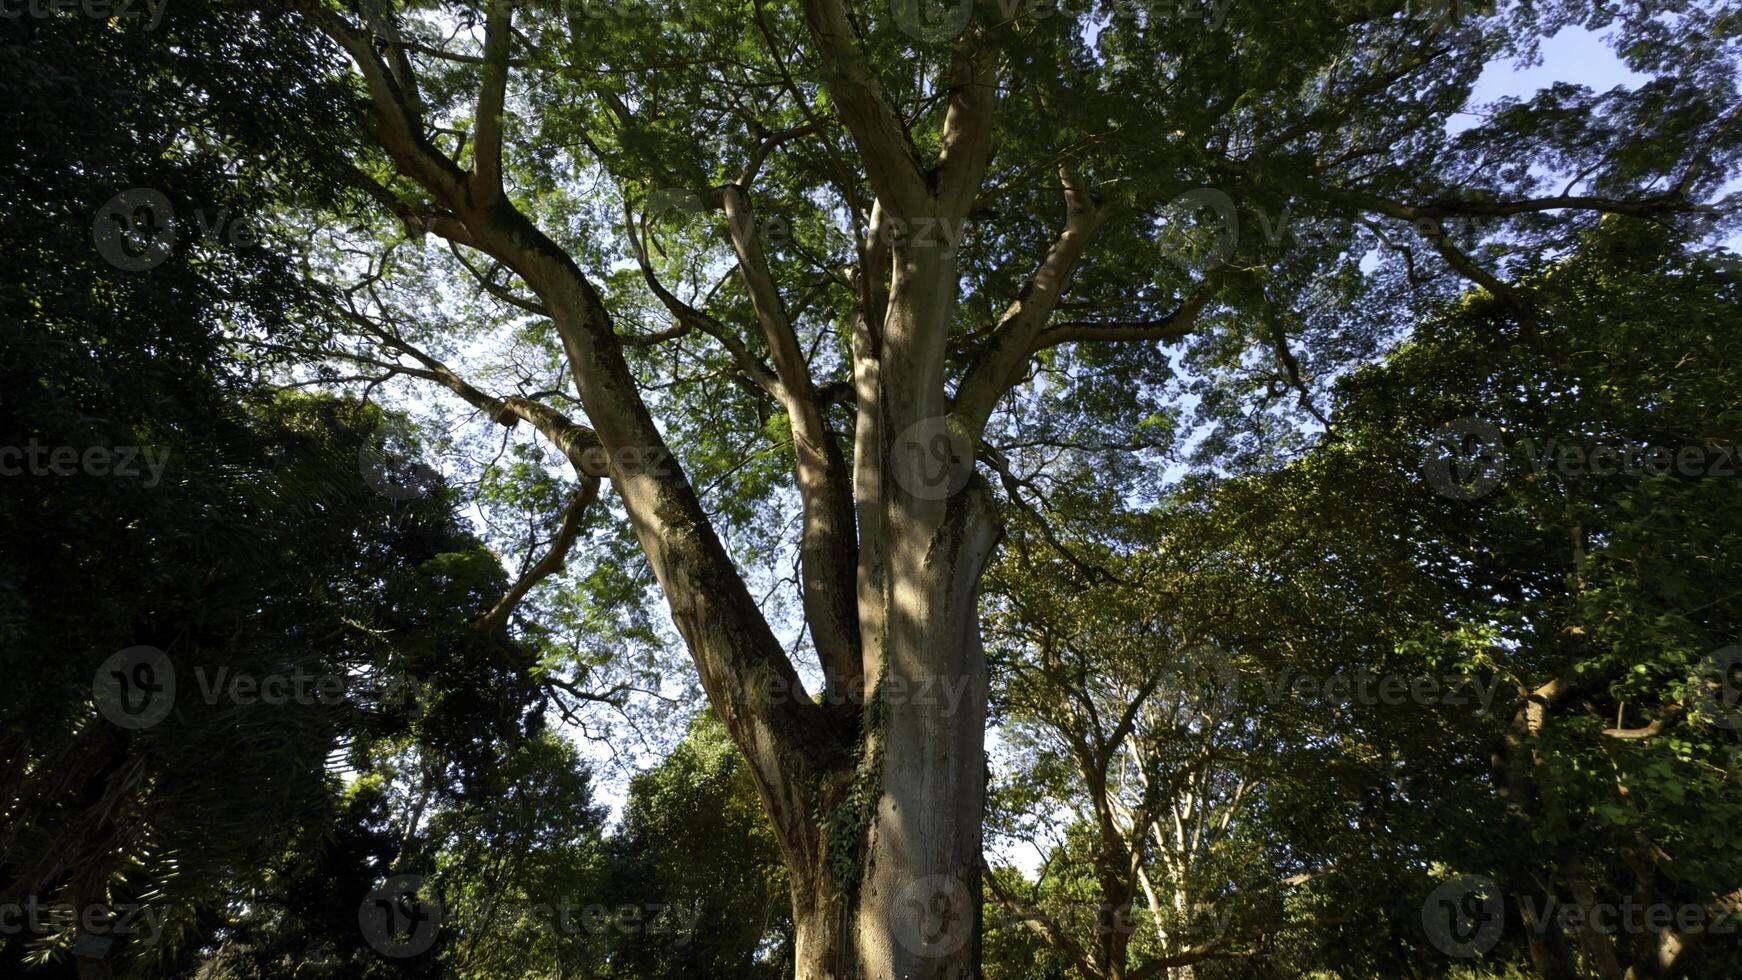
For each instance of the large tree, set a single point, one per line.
(982, 250)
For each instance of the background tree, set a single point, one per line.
(694, 838)
(1596, 567)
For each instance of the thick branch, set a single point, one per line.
(735, 651)
(966, 143)
(1042, 926)
(1173, 326)
(891, 160)
(487, 141)
(1003, 359)
(827, 556)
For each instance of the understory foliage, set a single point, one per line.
(1614, 581)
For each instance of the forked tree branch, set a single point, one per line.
(552, 560)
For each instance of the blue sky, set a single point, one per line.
(1574, 55)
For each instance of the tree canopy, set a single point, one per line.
(1129, 489)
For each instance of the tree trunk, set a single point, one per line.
(821, 946)
(886, 870)
(919, 901)
(892, 886)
